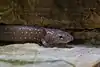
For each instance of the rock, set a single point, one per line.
(32, 55)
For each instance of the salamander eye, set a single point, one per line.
(60, 36)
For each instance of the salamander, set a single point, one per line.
(29, 33)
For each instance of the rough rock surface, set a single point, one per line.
(32, 55)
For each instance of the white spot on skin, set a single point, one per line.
(20, 28)
(25, 37)
(30, 29)
(36, 32)
(31, 32)
(34, 38)
(26, 32)
(39, 32)
(13, 32)
(22, 32)
(59, 34)
(35, 29)
(50, 32)
(20, 37)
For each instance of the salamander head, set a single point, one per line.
(59, 36)
(63, 37)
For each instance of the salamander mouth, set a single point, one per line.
(63, 41)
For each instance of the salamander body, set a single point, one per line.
(24, 33)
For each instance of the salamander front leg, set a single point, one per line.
(45, 44)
